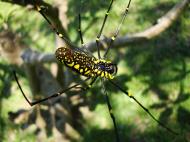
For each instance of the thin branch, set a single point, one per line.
(33, 57)
(162, 24)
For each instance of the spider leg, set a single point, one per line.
(79, 30)
(118, 29)
(102, 27)
(53, 95)
(111, 112)
(41, 10)
(79, 26)
(81, 36)
(144, 108)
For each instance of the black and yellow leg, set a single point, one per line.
(112, 117)
(79, 30)
(144, 108)
(118, 29)
(41, 10)
(102, 27)
(111, 113)
(81, 36)
(53, 95)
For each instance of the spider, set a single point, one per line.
(81, 61)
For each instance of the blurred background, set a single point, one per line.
(153, 57)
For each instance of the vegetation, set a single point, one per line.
(155, 71)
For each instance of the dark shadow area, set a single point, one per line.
(183, 117)
(6, 79)
(154, 13)
(5, 92)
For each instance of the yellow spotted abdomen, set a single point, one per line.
(76, 60)
(80, 62)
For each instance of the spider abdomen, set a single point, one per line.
(84, 64)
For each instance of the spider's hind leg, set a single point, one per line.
(143, 107)
(32, 103)
(111, 112)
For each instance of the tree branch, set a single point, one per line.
(162, 24)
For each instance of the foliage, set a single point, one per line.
(156, 72)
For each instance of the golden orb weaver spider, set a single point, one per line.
(84, 63)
